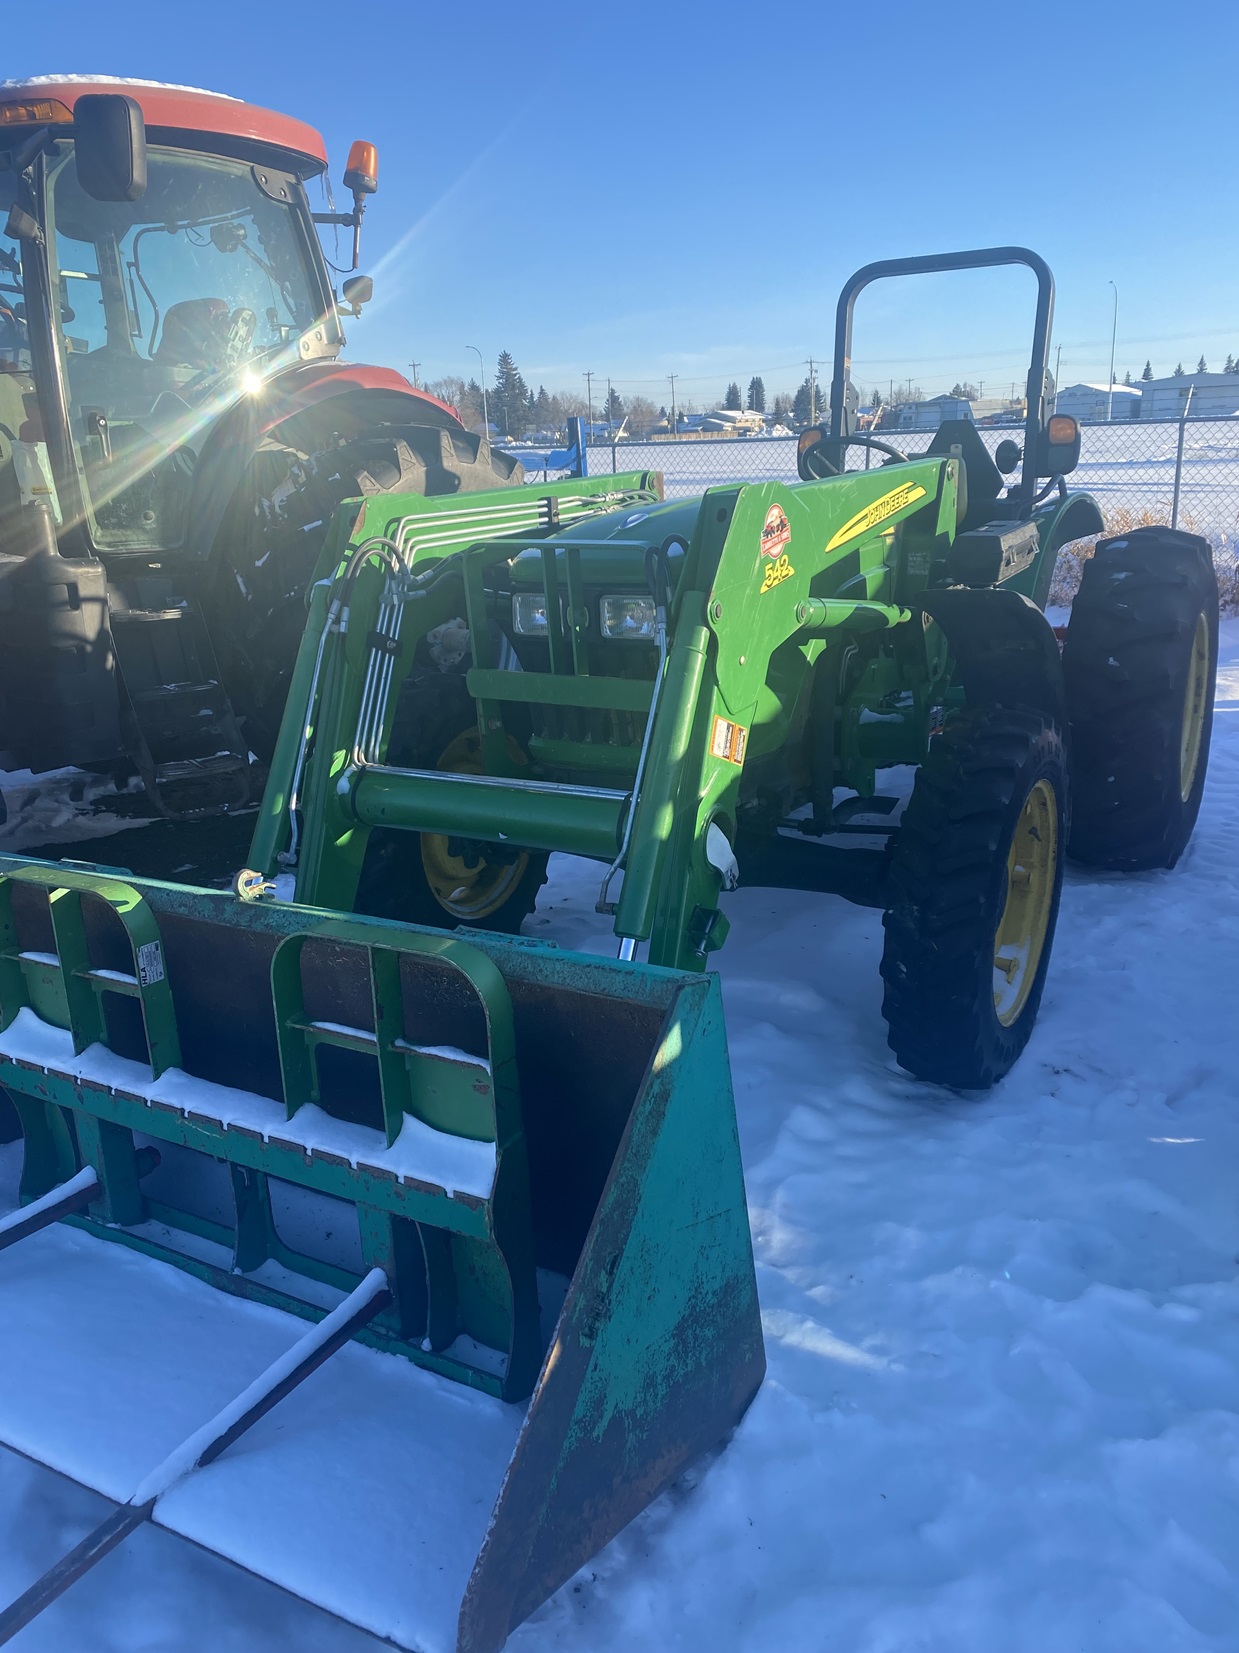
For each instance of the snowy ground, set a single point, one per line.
(1003, 1333)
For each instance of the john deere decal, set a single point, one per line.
(776, 532)
(878, 512)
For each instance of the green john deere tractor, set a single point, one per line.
(702, 691)
(517, 1167)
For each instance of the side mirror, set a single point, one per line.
(1058, 448)
(358, 290)
(111, 146)
(361, 175)
(1007, 456)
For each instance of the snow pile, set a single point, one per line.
(1001, 1413)
(113, 80)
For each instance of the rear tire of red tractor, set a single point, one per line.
(975, 881)
(1139, 662)
(426, 877)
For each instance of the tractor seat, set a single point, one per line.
(980, 480)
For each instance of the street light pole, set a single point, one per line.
(1113, 335)
(672, 377)
(485, 407)
(589, 397)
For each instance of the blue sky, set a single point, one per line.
(645, 189)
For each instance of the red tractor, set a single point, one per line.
(176, 427)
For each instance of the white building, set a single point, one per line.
(1215, 396)
(1090, 402)
(927, 414)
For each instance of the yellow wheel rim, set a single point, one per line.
(467, 893)
(1032, 865)
(1194, 708)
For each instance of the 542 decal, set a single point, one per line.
(778, 571)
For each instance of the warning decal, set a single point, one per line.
(728, 740)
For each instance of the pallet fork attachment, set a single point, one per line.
(202, 1448)
(514, 1127)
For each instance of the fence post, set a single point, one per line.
(1178, 463)
(576, 439)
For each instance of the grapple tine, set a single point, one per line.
(202, 1448)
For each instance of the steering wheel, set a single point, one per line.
(814, 466)
(238, 336)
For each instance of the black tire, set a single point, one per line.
(1139, 660)
(434, 715)
(949, 894)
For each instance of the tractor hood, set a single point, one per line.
(614, 543)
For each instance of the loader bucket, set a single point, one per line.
(537, 1148)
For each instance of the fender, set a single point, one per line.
(234, 438)
(1004, 647)
(308, 383)
(1074, 518)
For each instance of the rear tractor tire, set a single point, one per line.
(427, 877)
(975, 881)
(1139, 660)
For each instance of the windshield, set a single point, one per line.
(168, 307)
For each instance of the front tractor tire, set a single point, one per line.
(1139, 660)
(427, 877)
(975, 881)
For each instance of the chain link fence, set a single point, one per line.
(1183, 472)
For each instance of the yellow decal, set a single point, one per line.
(776, 573)
(728, 740)
(907, 494)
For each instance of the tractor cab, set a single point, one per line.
(176, 430)
(147, 285)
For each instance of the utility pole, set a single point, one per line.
(485, 407)
(415, 366)
(672, 377)
(1113, 335)
(589, 397)
(608, 404)
(812, 394)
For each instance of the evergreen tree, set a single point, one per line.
(782, 408)
(1127, 377)
(1200, 365)
(509, 402)
(757, 395)
(613, 408)
(1148, 372)
(1230, 365)
(1178, 370)
(543, 411)
(732, 400)
(802, 410)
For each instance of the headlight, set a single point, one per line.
(529, 614)
(631, 617)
